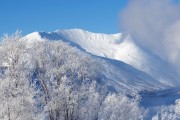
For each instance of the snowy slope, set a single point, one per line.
(129, 66)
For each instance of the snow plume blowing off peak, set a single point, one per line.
(155, 25)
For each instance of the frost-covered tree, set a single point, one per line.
(50, 80)
(171, 112)
(62, 73)
(16, 95)
(120, 107)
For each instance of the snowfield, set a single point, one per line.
(114, 47)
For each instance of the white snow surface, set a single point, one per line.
(129, 65)
(33, 37)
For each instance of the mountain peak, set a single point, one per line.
(33, 37)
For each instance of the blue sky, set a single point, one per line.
(49, 15)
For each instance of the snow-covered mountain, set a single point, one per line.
(70, 73)
(118, 49)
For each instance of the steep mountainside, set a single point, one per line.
(127, 66)
(114, 48)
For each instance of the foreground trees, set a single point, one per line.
(53, 81)
(120, 107)
(171, 112)
(16, 96)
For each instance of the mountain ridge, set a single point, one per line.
(119, 46)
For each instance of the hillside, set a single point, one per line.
(79, 75)
(115, 47)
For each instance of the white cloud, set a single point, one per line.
(155, 25)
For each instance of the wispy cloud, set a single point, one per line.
(155, 25)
